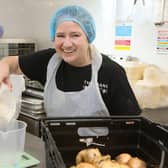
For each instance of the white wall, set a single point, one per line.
(30, 19)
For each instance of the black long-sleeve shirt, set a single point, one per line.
(113, 83)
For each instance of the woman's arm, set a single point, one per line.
(125, 96)
(9, 65)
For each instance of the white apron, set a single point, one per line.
(83, 103)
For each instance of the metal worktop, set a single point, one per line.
(157, 115)
(35, 147)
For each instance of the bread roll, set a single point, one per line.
(109, 164)
(87, 155)
(85, 165)
(123, 158)
(135, 162)
(98, 160)
(124, 166)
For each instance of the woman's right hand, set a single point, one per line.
(9, 65)
(5, 73)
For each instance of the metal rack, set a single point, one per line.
(12, 47)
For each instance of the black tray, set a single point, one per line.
(136, 135)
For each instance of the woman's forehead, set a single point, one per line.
(68, 26)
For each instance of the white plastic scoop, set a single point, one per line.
(7, 106)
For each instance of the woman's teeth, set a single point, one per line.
(68, 51)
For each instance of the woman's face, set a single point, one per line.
(71, 44)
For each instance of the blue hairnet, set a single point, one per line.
(76, 14)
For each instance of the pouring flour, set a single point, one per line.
(7, 106)
(10, 101)
(12, 130)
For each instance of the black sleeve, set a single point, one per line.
(123, 99)
(34, 65)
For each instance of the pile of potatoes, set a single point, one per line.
(92, 158)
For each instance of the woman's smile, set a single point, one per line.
(68, 51)
(72, 44)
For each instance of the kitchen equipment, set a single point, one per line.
(32, 108)
(27, 161)
(12, 142)
(32, 105)
(35, 85)
(14, 46)
(34, 92)
(135, 135)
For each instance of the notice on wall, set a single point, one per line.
(162, 41)
(123, 33)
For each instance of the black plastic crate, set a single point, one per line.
(136, 135)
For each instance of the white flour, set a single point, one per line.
(7, 106)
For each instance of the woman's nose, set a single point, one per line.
(67, 42)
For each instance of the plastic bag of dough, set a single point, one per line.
(148, 90)
(152, 75)
(134, 69)
(164, 95)
(148, 95)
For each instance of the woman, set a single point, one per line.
(79, 81)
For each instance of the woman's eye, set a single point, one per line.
(59, 35)
(76, 35)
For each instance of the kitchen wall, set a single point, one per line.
(30, 19)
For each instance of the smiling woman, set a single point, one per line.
(78, 15)
(79, 80)
(72, 44)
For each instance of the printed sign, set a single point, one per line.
(123, 34)
(162, 41)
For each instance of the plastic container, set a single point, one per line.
(12, 142)
(10, 101)
(18, 84)
(136, 135)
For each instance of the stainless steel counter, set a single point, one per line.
(35, 147)
(157, 115)
(33, 122)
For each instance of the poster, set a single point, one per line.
(162, 41)
(123, 33)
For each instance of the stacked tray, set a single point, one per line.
(32, 105)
